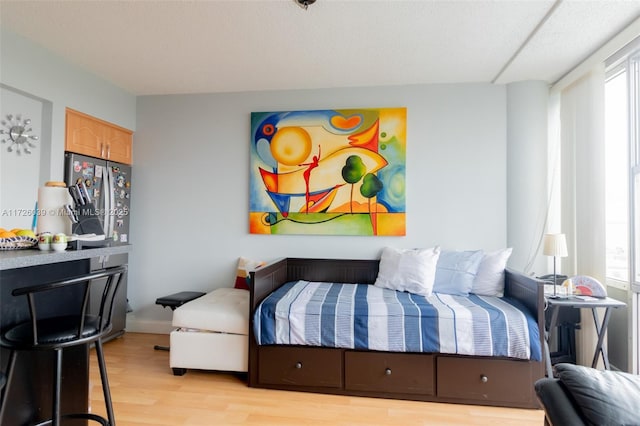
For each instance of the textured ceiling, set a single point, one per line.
(167, 47)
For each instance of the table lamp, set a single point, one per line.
(554, 245)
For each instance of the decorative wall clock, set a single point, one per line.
(17, 134)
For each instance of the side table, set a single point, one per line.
(580, 302)
(174, 301)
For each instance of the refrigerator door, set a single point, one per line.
(90, 171)
(119, 178)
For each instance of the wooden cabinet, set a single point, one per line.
(412, 376)
(286, 365)
(91, 136)
(385, 372)
(495, 380)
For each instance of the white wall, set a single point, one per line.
(527, 185)
(191, 158)
(17, 205)
(29, 68)
(191, 178)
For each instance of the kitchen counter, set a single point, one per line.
(12, 259)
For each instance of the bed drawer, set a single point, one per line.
(484, 379)
(385, 372)
(300, 366)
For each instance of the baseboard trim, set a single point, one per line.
(137, 325)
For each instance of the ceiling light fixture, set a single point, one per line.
(305, 3)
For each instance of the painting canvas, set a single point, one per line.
(328, 172)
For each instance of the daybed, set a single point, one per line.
(424, 376)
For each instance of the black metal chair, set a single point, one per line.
(80, 326)
(3, 381)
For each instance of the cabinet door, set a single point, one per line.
(83, 135)
(496, 380)
(118, 144)
(300, 366)
(91, 136)
(390, 372)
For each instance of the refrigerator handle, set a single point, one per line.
(107, 202)
(112, 196)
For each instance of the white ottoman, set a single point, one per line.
(212, 332)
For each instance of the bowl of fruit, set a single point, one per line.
(17, 239)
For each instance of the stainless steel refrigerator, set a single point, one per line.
(109, 187)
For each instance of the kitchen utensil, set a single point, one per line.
(71, 213)
(80, 195)
(85, 192)
(74, 195)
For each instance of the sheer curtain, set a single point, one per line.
(580, 207)
(583, 174)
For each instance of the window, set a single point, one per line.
(617, 178)
(622, 182)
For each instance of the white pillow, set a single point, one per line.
(489, 279)
(456, 271)
(410, 270)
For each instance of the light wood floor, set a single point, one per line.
(145, 392)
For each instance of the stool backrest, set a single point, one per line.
(79, 323)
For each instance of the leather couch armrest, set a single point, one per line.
(558, 407)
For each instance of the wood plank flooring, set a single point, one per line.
(145, 392)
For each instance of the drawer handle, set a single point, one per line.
(387, 371)
(484, 379)
(298, 365)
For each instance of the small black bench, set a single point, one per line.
(174, 301)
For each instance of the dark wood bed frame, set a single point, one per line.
(414, 376)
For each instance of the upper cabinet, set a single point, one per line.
(91, 136)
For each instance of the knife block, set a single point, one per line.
(88, 221)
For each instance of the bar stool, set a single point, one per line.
(78, 327)
(3, 381)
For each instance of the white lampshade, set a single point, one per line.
(555, 245)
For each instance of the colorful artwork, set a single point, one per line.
(328, 172)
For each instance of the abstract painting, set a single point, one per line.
(328, 172)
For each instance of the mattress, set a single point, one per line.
(224, 310)
(363, 316)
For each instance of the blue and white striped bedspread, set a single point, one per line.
(363, 316)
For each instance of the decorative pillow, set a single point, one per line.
(410, 270)
(242, 276)
(489, 280)
(456, 271)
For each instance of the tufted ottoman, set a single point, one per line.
(211, 332)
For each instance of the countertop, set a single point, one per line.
(12, 259)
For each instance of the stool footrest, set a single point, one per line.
(86, 416)
(176, 300)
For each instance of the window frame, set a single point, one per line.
(628, 60)
(633, 81)
(612, 73)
